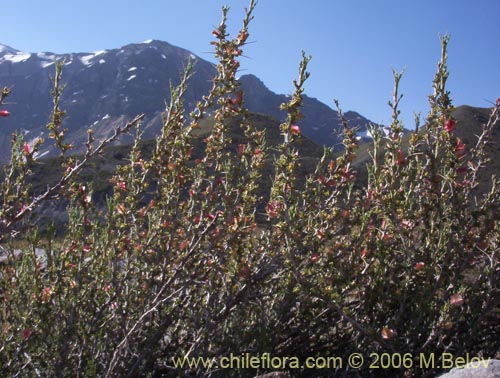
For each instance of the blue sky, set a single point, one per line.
(354, 43)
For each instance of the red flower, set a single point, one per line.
(4, 113)
(450, 125)
(26, 149)
(295, 129)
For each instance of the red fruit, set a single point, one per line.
(456, 300)
(241, 149)
(25, 334)
(295, 129)
(244, 271)
(238, 99)
(314, 257)
(460, 148)
(419, 266)
(4, 113)
(450, 125)
(400, 158)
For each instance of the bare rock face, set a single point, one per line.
(486, 369)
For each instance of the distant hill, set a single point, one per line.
(107, 88)
(47, 170)
(469, 123)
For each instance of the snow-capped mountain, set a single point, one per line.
(109, 87)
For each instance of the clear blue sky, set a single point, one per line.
(354, 43)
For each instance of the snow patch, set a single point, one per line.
(192, 56)
(107, 116)
(132, 77)
(132, 69)
(86, 59)
(37, 155)
(163, 56)
(5, 48)
(46, 56)
(47, 64)
(364, 134)
(102, 61)
(16, 58)
(148, 41)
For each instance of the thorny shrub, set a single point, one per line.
(406, 264)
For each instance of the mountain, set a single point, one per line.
(107, 88)
(321, 123)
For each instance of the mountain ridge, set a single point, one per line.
(108, 87)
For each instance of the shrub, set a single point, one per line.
(183, 265)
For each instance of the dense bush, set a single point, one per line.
(188, 267)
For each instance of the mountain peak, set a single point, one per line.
(4, 49)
